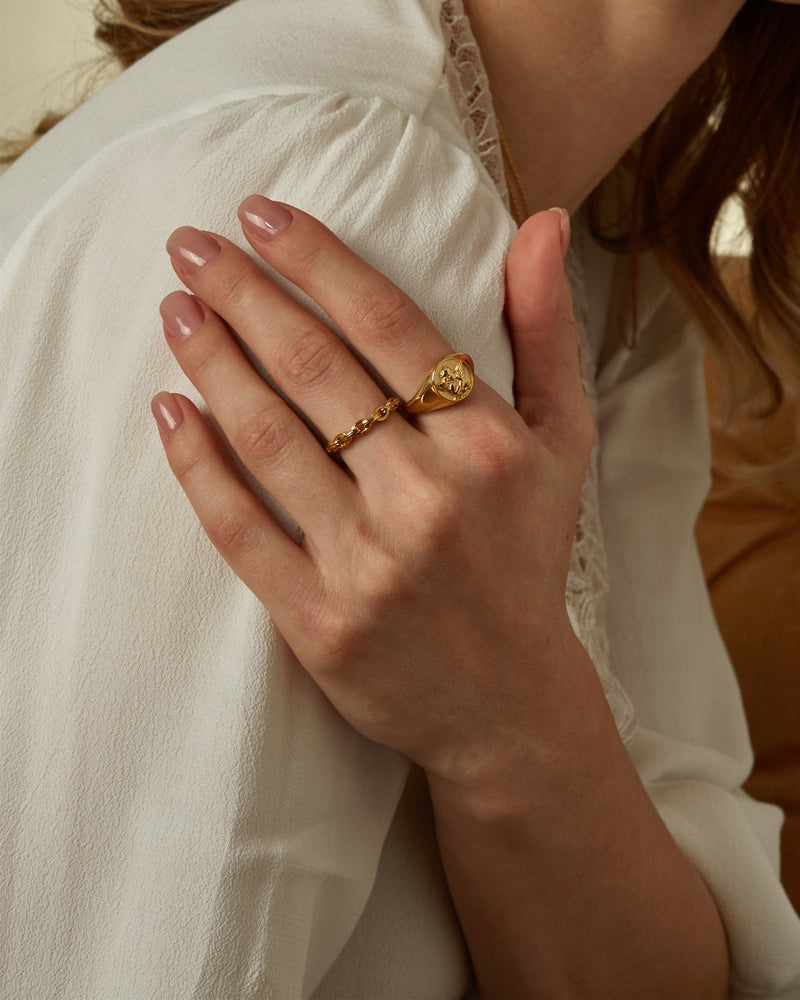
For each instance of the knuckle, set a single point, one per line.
(203, 359)
(231, 286)
(500, 450)
(335, 634)
(385, 313)
(441, 514)
(392, 580)
(231, 533)
(309, 357)
(262, 438)
(187, 466)
(306, 257)
(434, 510)
(346, 622)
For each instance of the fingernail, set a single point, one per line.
(182, 314)
(565, 230)
(191, 250)
(167, 412)
(262, 218)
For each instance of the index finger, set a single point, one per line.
(381, 322)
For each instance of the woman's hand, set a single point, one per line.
(427, 596)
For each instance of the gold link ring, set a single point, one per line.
(363, 426)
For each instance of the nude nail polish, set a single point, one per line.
(167, 412)
(191, 250)
(182, 314)
(262, 218)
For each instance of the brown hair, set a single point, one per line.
(129, 29)
(732, 129)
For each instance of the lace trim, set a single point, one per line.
(587, 582)
(469, 85)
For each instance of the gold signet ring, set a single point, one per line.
(449, 381)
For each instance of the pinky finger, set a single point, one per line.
(260, 553)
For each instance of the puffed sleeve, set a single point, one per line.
(182, 814)
(691, 746)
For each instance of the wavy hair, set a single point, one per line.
(732, 130)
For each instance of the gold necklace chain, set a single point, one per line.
(520, 208)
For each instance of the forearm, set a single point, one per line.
(565, 879)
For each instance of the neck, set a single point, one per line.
(575, 82)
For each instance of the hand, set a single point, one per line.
(427, 595)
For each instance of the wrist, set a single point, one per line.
(558, 742)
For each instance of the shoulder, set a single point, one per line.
(248, 55)
(378, 159)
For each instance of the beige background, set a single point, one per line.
(41, 43)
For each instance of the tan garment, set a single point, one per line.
(749, 539)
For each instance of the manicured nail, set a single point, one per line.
(167, 412)
(262, 218)
(565, 230)
(182, 314)
(191, 250)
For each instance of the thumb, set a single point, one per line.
(547, 385)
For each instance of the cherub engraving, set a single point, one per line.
(454, 379)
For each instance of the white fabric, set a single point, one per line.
(183, 815)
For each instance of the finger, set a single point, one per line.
(271, 440)
(280, 573)
(306, 359)
(380, 320)
(547, 381)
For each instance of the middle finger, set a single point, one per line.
(306, 359)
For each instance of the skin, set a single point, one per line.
(417, 487)
(575, 82)
(552, 848)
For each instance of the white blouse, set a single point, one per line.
(182, 813)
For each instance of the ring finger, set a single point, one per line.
(271, 440)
